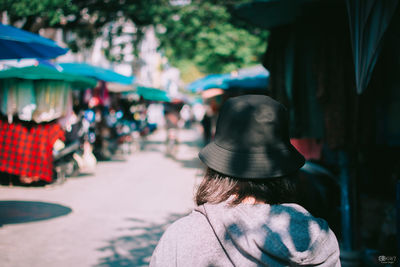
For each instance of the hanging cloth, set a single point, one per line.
(368, 20)
(9, 98)
(68, 117)
(51, 100)
(17, 98)
(3, 97)
(26, 101)
(289, 58)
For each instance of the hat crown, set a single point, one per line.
(252, 123)
(252, 140)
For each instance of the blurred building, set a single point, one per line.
(150, 67)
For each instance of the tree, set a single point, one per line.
(206, 34)
(201, 34)
(37, 14)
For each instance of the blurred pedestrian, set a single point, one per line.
(171, 122)
(206, 122)
(186, 116)
(246, 213)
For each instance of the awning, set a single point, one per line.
(368, 20)
(97, 73)
(153, 94)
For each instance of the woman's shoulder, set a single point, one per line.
(188, 223)
(188, 231)
(190, 237)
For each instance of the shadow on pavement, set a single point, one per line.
(136, 247)
(82, 175)
(196, 143)
(113, 158)
(193, 163)
(12, 212)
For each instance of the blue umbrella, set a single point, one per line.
(16, 43)
(249, 78)
(208, 82)
(98, 73)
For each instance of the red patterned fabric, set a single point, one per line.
(26, 149)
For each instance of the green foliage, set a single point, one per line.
(189, 71)
(202, 32)
(37, 13)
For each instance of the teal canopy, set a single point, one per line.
(97, 73)
(153, 94)
(47, 73)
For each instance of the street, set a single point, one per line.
(112, 218)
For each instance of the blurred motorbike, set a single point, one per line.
(64, 163)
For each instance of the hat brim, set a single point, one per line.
(249, 165)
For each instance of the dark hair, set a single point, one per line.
(217, 187)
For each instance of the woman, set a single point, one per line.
(246, 215)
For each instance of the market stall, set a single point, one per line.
(103, 109)
(31, 101)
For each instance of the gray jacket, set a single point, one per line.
(247, 235)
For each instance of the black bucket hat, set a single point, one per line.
(252, 140)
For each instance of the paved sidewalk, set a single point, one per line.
(113, 218)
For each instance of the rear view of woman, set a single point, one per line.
(246, 215)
